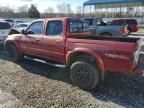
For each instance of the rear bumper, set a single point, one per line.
(140, 65)
(139, 73)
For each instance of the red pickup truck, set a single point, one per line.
(67, 41)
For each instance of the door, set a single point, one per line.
(53, 41)
(32, 39)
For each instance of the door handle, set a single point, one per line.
(37, 40)
(58, 41)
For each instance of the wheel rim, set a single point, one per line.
(83, 75)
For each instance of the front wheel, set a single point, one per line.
(85, 75)
(13, 52)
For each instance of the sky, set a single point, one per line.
(42, 5)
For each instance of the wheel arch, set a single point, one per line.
(13, 43)
(92, 55)
(105, 33)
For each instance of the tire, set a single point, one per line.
(85, 74)
(13, 52)
(105, 34)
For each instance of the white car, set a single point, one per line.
(21, 26)
(10, 21)
(5, 28)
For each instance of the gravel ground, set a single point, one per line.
(37, 85)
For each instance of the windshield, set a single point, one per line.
(78, 26)
(21, 25)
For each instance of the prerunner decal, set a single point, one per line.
(116, 56)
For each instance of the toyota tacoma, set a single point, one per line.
(67, 41)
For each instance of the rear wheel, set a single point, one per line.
(13, 52)
(85, 74)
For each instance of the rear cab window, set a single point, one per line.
(78, 26)
(132, 22)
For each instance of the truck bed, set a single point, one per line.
(116, 39)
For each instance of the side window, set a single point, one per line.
(75, 27)
(132, 22)
(36, 28)
(54, 28)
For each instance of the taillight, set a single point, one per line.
(123, 30)
(139, 50)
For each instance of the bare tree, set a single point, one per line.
(61, 9)
(64, 10)
(79, 11)
(6, 12)
(23, 11)
(68, 10)
(49, 12)
(23, 8)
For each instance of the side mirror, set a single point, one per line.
(23, 31)
(29, 32)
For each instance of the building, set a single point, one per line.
(114, 8)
